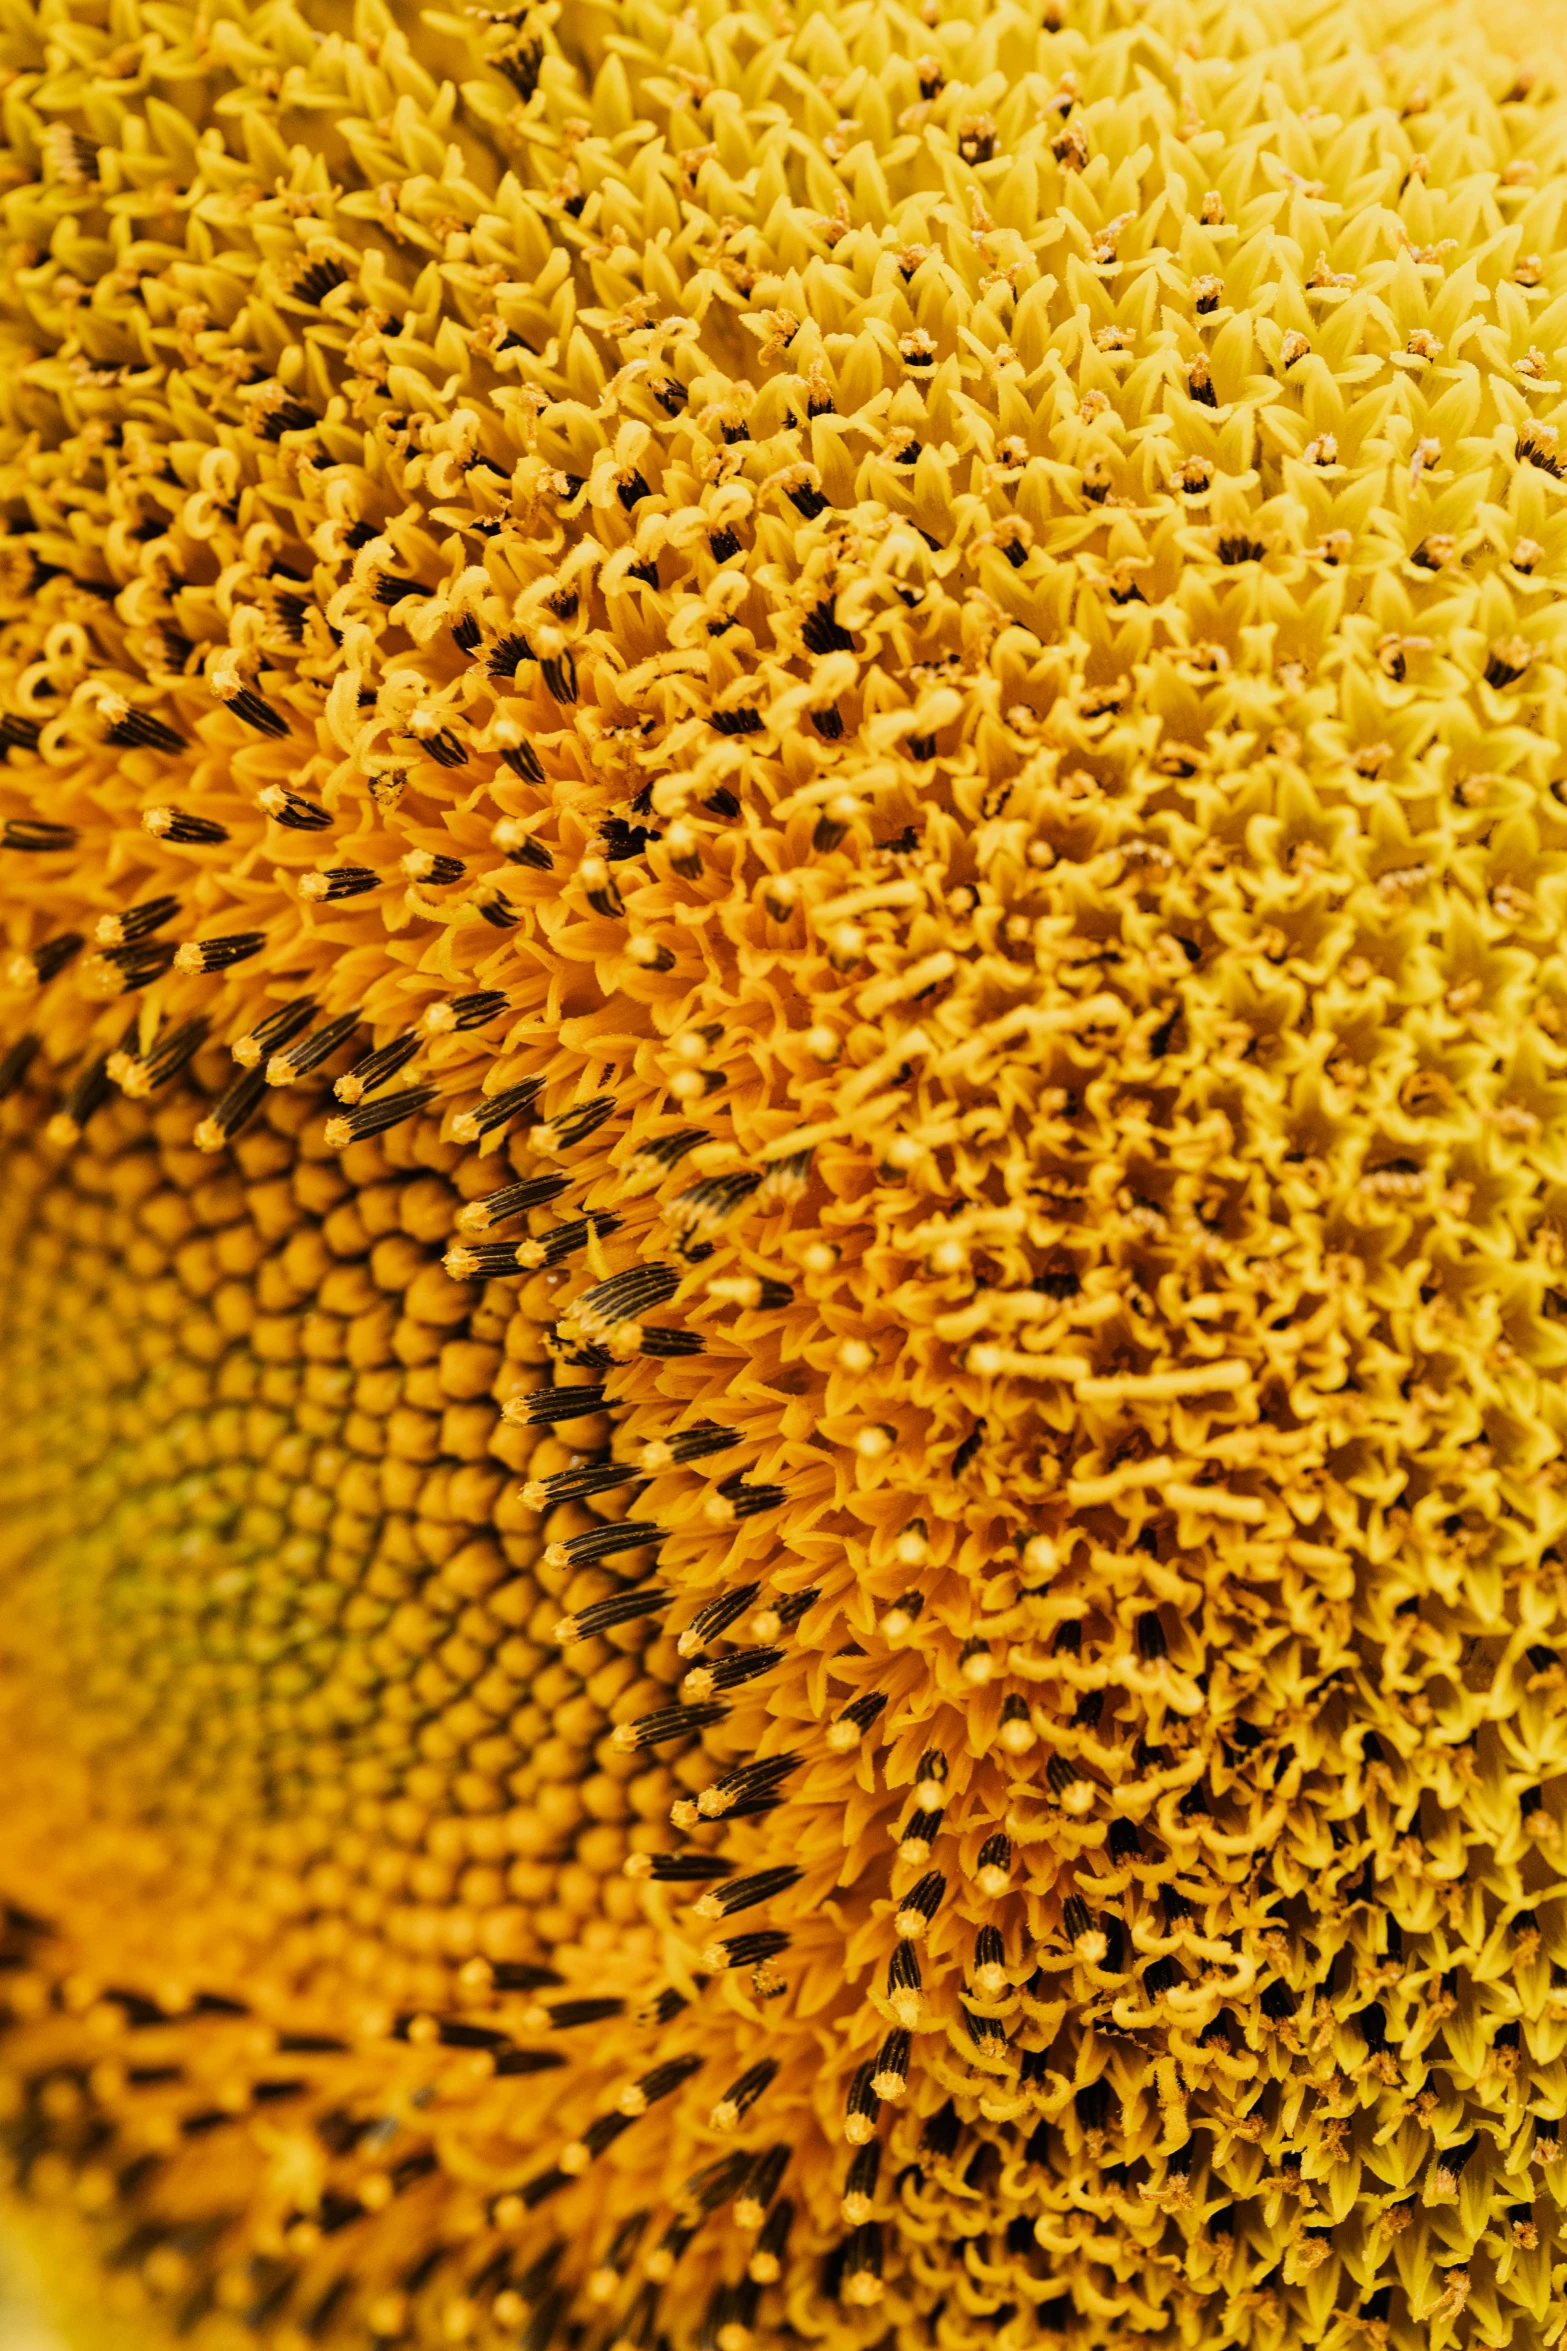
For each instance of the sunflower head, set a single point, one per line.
(780, 1079)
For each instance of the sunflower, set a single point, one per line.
(783, 838)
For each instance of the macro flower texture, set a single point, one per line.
(783, 1173)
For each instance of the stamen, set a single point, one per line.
(859, 2189)
(290, 810)
(519, 1975)
(604, 2280)
(694, 1444)
(36, 838)
(766, 2264)
(762, 2180)
(656, 1339)
(515, 1200)
(919, 1906)
(18, 734)
(138, 922)
(426, 865)
(662, 2007)
(170, 1054)
(658, 2084)
(375, 1118)
(132, 728)
(902, 1616)
(377, 1068)
(742, 2095)
(464, 1012)
(535, 2192)
(248, 705)
(671, 1722)
(545, 1406)
(734, 1500)
(993, 1873)
(562, 2016)
(231, 1112)
(917, 1837)
(15, 1063)
(728, 1673)
(713, 2185)
(122, 970)
(652, 1161)
(705, 1206)
(278, 1029)
(651, 954)
(624, 1297)
(678, 1868)
(497, 1111)
(90, 1092)
(905, 1996)
(206, 955)
(862, 2280)
(861, 2106)
(45, 961)
(782, 1615)
(505, 657)
(338, 882)
(755, 1292)
(573, 1485)
(1016, 1734)
(519, 846)
(660, 2263)
(602, 1615)
(746, 1893)
(602, 1542)
(599, 884)
(855, 1721)
(715, 1618)
(286, 1068)
(573, 1126)
(752, 1950)
(743, 1783)
(990, 1975)
(566, 1240)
